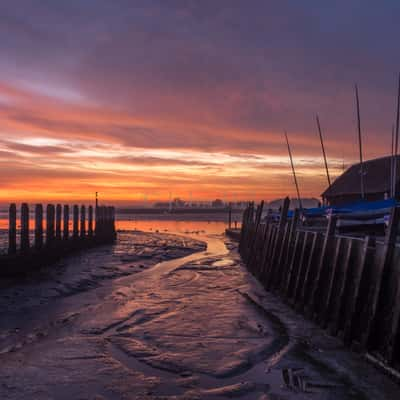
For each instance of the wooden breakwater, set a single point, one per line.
(54, 236)
(350, 286)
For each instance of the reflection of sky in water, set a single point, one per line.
(213, 224)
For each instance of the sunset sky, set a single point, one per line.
(138, 99)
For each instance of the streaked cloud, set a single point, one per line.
(147, 97)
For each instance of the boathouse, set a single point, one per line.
(377, 177)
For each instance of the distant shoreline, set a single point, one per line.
(177, 211)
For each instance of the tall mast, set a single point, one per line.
(323, 151)
(360, 144)
(396, 141)
(392, 166)
(293, 171)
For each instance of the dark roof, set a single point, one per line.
(376, 178)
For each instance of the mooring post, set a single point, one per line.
(376, 291)
(90, 221)
(12, 229)
(75, 222)
(99, 221)
(113, 221)
(111, 227)
(66, 222)
(38, 226)
(58, 222)
(83, 222)
(284, 213)
(50, 214)
(330, 232)
(24, 227)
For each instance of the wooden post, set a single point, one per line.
(38, 226)
(285, 257)
(337, 317)
(351, 304)
(90, 221)
(332, 276)
(75, 222)
(330, 231)
(66, 222)
(113, 221)
(230, 216)
(312, 265)
(58, 222)
(24, 227)
(277, 243)
(83, 222)
(284, 212)
(12, 229)
(50, 214)
(380, 267)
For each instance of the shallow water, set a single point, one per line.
(123, 326)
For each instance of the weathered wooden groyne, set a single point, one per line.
(54, 236)
(350, 286)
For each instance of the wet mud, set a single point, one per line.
(162, 317)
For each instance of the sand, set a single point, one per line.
(160, 317)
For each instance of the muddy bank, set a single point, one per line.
(197, 327)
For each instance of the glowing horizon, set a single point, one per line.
(146, 100)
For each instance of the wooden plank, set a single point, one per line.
(338, 305)
(380, 268)
(255, 234)
(332, 276)
(391, 339)
(290, 246)
(278, 270)
(12, 229)
(351, 305)
(316, 287)
(312, 266)
(303, 263)
(294, 264)
(38, 226)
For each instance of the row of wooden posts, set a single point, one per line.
(57, 226)
(348, 285)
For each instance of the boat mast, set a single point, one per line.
(360, 144)
(323, 151)
(293, 171)
(396, 141)
(392, 166)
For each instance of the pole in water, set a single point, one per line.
(97, 199)
(294, 172)
(396, 146)
(360, 144)
(323, 151)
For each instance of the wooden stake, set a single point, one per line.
(38, 226)
(66, 222)
(12, 229)
(58, 222)
(24, 227)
